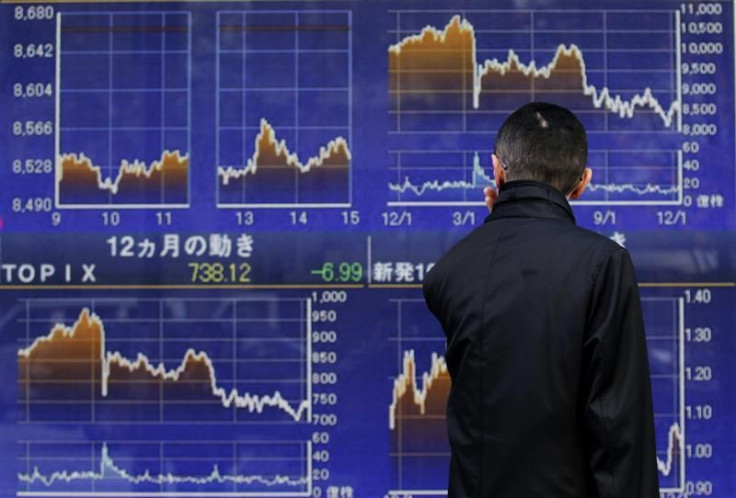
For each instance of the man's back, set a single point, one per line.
(545, 347)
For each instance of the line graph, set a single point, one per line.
(122, 134)
(458, 35)
(424, 185)
(165, 468)
(90, 367)
(421, 399)
(464, 173)
(455, 75)
(416, 411)
(272, 157)
(672, 452)
(81, 179)
(284, 131)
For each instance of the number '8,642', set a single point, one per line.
(33, 51)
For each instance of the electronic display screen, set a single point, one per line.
(215, 219)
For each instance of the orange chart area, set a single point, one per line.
(439, 70)
(417, 411)
(417, 401)
(82, 183)
(274, 174)
(71, 365)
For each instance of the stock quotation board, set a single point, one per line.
(216, 217)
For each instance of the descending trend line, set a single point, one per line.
(109, 470)
(270, 152)
(252, 403)
(479, 180)
(460, 34)
(85, 341)
(406, 384)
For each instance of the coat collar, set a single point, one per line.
(530, 199)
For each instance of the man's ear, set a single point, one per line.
(582, 184)
(499, 173)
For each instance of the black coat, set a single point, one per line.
(550, 392)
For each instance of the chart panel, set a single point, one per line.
(285, 128)
(420, 450)
(136, 374)
(451, 78)
(122, 133)
(635, 81)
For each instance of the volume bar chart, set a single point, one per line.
(284, 109)
(123, 133)
(459, 75)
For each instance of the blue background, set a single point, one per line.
(676, 249)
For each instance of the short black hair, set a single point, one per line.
(543, 142)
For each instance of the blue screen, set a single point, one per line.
(215, 220)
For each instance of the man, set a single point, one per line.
(550, 392)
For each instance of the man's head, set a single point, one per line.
(546, 143)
